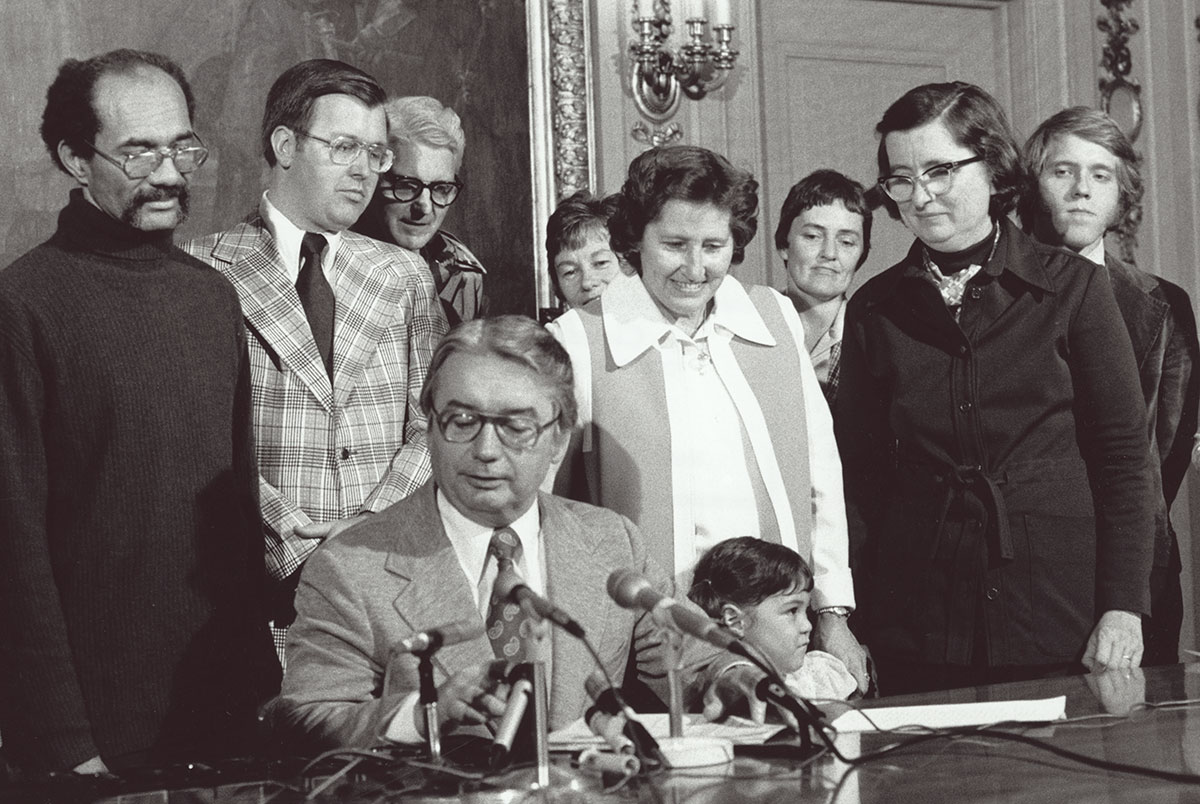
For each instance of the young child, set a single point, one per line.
(582, 261)
(760, 590)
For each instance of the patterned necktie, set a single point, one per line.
(509, 627)
(316, 297)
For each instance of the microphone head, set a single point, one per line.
(506, 581)
(624, 586)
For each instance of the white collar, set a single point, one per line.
(470, 539)
(1094, 252)
(288, 237)
(633, 323)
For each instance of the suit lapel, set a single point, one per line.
(249, 259)
(422, 552)
(369, 295)
(1144, 315)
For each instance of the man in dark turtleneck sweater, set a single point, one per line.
(131, 566)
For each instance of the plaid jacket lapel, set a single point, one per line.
(370, 297)
(248, 257)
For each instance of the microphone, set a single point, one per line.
(510, 721)
(613, 720)
(632, 591)
(806, 712)
(439, 637)
(509, 586)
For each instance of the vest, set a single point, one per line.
(629, 467)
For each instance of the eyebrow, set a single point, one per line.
(142, 142)
(855, 232)
(1110, 166)
(526, 411)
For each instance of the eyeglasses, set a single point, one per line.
(408, 188)
(186, 158)
(936, 180)
(344, 150)
(515, 432)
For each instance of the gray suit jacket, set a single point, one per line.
(396, 574)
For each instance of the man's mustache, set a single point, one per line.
(152, 194)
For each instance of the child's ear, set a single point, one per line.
(733, 619)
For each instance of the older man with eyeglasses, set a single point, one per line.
(501, 404)
(413, 197)
(342, 326)
(132, 625)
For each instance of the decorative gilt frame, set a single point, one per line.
(560, 101)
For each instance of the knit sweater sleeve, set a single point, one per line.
(41, 701)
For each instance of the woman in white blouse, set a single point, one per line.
(701, 417)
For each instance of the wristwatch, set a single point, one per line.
(836, 611)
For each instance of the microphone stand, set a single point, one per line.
(773, 688)
(428, 698)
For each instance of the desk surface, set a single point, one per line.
(1101, 725)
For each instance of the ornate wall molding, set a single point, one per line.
(570, 97)
(560, 109)
(1120, 95)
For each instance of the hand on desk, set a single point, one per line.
(734, 685)
(1119, 689)
(833, 635)
(1116, 641)
(473, 695)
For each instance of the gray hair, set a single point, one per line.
(425, 121)
(516, 338)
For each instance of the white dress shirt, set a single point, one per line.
(288, 237)
(470, 542)
(713, 496)
(822, 349)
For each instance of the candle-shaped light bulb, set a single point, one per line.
(722, 14)
(645, 8)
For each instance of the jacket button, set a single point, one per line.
(345, 453)
(976, 293)
(965, 407)
(962, 350)
(993, 593)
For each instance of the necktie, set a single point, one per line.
(316, 297)
(508, 626)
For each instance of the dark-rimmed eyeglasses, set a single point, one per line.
(344, 150)
(514, 432)
(936, 180)
(409, 188)
(186, 158)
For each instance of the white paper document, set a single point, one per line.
(943, 716)
(740, 731)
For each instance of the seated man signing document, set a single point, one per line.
(501, 405)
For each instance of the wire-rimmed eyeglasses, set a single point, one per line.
(344, 150)
(186, 158)
(936, 180)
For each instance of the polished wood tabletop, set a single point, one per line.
(1146, 718)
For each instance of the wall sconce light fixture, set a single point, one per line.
(659, 74)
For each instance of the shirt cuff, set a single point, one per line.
(402, 728)
(833, 589)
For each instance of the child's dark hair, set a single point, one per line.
(746, 571)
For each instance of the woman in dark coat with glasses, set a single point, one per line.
(991, 426)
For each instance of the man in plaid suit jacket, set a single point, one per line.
(339, 435)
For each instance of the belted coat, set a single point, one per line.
(997, 470)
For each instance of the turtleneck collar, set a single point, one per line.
(86, 227)
(951, 262)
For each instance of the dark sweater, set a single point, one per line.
(131, 561)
